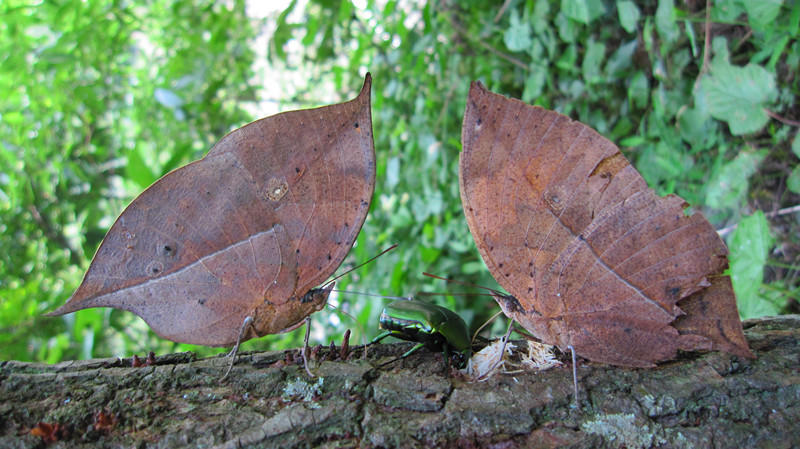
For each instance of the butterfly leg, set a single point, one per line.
(248, 321)
(575, 375)
(305, 347)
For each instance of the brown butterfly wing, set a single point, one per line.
(591, 256)
(248, 230)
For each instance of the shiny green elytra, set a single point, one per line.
(433, 326)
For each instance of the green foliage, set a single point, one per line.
(749, 247)
(738, 95)
(724, 191)
(793, 183)
(101, 98)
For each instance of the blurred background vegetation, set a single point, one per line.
(100, 98)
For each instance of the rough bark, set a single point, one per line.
(697, 400)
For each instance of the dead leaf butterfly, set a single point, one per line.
(250, 230)
(591, 257)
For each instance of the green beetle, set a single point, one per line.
(430, 325)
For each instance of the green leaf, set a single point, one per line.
(628, 15)
(749, 246)
(392, 172)
(518, 36)
(535, 83)
(567, 29)
(473, 267)
(592, 59)
(687, 25)
(568, 59)
(793, 183)
(739, 95)
(639, 90)
(583, 11)
(697, 128)
(727, 11)
(539, 21)
(620, 61)
(728, 185)
(762, 13)
(666, 25)
(796, 145)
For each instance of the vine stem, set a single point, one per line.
(782, 119)
(789, 210)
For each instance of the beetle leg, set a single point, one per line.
(408, 353)
(412, 350)
(380, 337)
(447, 358)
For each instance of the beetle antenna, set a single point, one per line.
(364, 263)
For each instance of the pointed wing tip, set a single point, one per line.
(476, 88)
(72, 305)
(63, 310)
(476, 93)
(367, 86)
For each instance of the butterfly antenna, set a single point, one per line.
(374, 295)
(475, 335)
(493, 291)
(451, 294)
(364, 263)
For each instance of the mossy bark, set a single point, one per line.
(697, 400)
